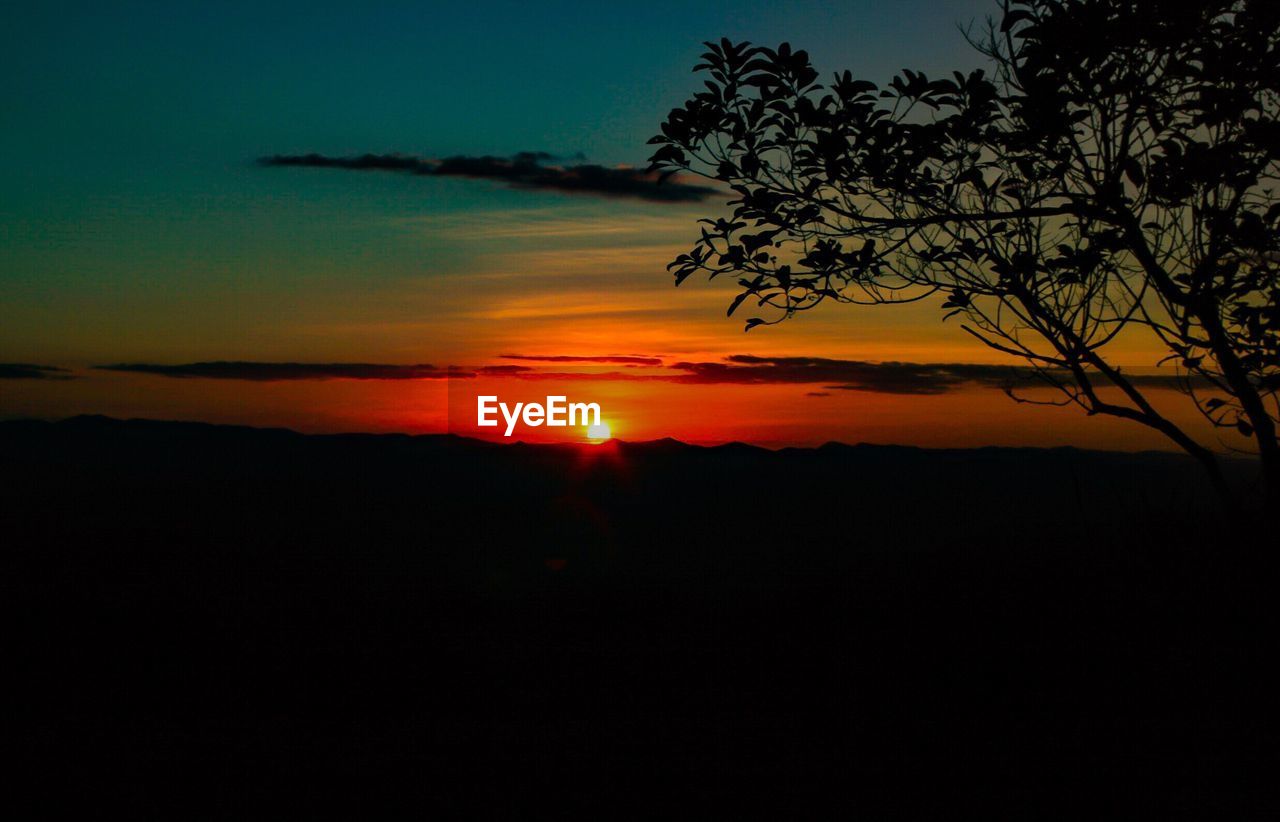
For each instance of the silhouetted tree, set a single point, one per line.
(1114, 168)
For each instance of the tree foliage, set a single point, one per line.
(1113, 167)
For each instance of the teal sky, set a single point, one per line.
(136, 226)
(133, 223)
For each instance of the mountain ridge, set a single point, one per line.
(106, 422)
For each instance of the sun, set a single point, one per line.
(599, 432)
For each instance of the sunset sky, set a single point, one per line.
(138, 229)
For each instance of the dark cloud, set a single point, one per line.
(502, 370)
(623, 360)
(1165, 381)
(881, 377)
(739, 369)
(837, 375)
(848, 375)
(843, 375)
(26, 371)
(277, 371)
(595, 376)
(526, 170)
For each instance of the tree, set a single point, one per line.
(1114, 168)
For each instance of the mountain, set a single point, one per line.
(236, 622)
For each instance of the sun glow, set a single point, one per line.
(599, 432)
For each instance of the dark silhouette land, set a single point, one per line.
(233, 623)
(238, 623)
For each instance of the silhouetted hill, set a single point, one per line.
(221, 621)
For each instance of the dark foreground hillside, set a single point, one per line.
(238, 623)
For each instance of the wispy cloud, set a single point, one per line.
(847, 375)
(903, 378)
(278, 371)
(877, 377)
(524, 170)
(26, 371)
(573, 358)
(579, 227)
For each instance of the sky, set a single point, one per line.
(138, 229)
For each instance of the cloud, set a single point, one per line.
(878, 377)
(847, 375)
(831, 374)
(616, 360)
(594, 376)
(278, 371)
(524, 170)
(26, 371)
(921, 379)
(582, 223)
(500, 370)
(905, 378)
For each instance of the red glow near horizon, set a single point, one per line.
(771, 415)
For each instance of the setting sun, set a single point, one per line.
(600, 431)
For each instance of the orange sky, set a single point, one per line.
(771, 415)
(137, 228)
(563, 276)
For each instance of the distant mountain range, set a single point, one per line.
(229, 622)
